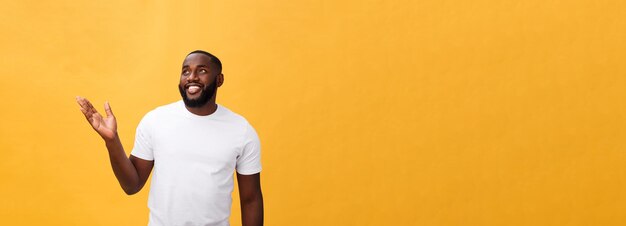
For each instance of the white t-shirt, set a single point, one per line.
(194, 161)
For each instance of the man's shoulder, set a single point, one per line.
(171, 107)
(231, 115)
(164, 110)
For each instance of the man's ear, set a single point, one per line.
(220, 80)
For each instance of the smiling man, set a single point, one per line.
(194, 146)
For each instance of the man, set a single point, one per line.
(194, 146)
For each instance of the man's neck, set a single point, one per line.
(204, 110)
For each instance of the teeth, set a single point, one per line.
(193, 89)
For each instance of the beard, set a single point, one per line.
(205, 95)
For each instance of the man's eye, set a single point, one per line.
(185, 72)
(202, 70)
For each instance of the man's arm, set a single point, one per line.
(132, 173)
(251, 199)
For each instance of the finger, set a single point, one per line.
(80, 102)
(87, 109)
(88, 103)
(83, 108)
(107, 109)
(90, 108)
(84, 103)
(87, 114)
(84, 111)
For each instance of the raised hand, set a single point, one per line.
(106, 127)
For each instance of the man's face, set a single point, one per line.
(198, 80)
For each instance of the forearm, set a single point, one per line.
(123, 168)
(252, 211)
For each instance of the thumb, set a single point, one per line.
(107, 109)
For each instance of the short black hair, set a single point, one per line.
(213, 58)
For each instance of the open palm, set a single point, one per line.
(106, 127)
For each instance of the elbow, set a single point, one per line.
(130, 191)
(252, 199)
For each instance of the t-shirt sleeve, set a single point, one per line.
(249, 161)
(143, 142)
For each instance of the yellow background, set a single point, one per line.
(370, 112)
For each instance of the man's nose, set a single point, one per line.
(192, 77)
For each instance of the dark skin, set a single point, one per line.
(132, 172)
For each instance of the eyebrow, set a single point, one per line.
(201, 65)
